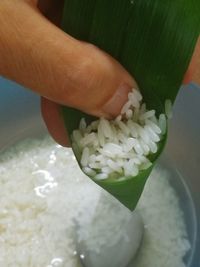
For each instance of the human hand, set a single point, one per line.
(37, 54)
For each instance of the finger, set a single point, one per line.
(193, 73)
(40, 56)
(54, 122)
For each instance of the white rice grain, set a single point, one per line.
(82, 125)
(100, 136)
(143, 109)
(88, 129)
(101, 176)
(137, 147)
(134, 98)
(120, 162)
(123, 127)
(94, 125)
(104, 125)
(112, 149)
(77, 136)
(118, 118)
(144, 135)
(134, 157)
(145, 148)
(162, 123)
(129, 114)
(89, 171)
(154, 126)
(147, 115)
(153, 136)
(133, 128)
(137, 94)
(95, 165)
(88, 139)
(136, 114)
(145, 165)
(168, 108)
(126, 107)
(153, 147)
(114, 166)
(130, 169)
(107, 170)
(92, 158)
(85, 157)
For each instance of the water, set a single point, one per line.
(177, 181)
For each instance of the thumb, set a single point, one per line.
(37, 54)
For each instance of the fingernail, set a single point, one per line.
(115, 104)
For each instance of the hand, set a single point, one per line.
(37, 54)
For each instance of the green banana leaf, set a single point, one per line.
(154, 40)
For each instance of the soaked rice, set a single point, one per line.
(130, 138)
(43, 193)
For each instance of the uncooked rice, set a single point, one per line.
(130, 138)
(43, 192)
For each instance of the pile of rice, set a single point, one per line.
(120, 147)
(43, 193)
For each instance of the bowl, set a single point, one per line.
(20, 118)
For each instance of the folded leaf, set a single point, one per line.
(154, 40)
(78, 17)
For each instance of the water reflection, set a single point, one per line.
(48, 186)
(52, 157)
(56, 262)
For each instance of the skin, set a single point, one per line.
(37, 54)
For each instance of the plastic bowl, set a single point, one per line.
(20, 118)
